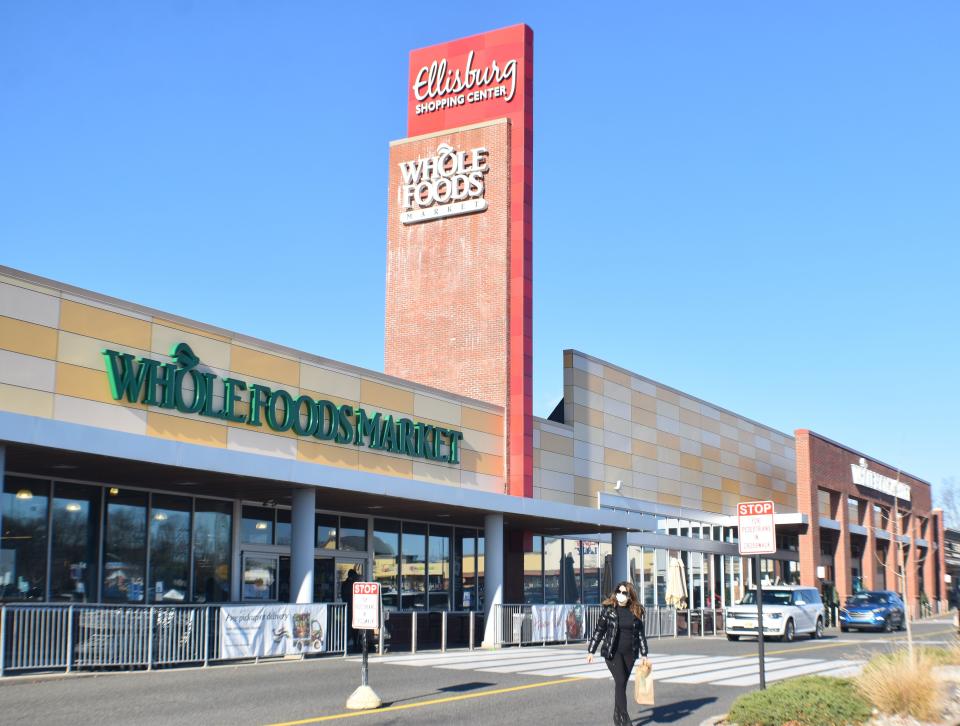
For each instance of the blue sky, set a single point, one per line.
(756, 203)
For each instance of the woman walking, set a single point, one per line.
(621, 638)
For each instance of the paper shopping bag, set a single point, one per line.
(643, 684)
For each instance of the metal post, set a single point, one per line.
(343, 609)
(364, 667)
(443, 632)
(472, 625)
(150, 640)
(759, 578)
(206, 637)
(413, 631)
(3, 635)
(69, 638)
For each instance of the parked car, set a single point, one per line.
(873, 610)
(787, 611)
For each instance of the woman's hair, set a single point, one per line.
(632, 602)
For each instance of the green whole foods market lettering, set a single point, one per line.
(143, 380)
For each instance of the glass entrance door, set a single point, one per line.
(324, 580)
(260, 576)
(344, 566)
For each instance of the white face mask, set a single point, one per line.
(621, 598)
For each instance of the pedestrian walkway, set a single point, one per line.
(737, 671)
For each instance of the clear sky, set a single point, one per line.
(757, 203)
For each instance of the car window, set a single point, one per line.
(866, 598)
(770, 597)
(813, 597)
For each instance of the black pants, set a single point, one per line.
(621, 666)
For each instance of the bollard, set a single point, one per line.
(413, 632)
(472, 627)
(443, 632)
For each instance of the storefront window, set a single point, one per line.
(23, 548)
(853, 511)
(75, 542)
(661, 558)
(284, 532)
(552, 563)
(591, 572)
(465, 569)
(438, 579)
(605, 551)
(259, 578)
(571, 571)
(125, 546)
(480, 565)
(353, 534)
(386, 549)
(635, 568)
(533, 572)
(256, 526)
(169, 548)
(825, 504)
(649, 578)
(327, 531)
(413, 566)
(212, 537)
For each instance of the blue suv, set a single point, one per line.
(874, 610)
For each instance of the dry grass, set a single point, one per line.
(895, 684)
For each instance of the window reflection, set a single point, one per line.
(125, 541)
(259, 578)
(552, 563)
(256, 526)
(413, 566)
(533, 571)
(23, 548)
(327, 532)
(386, 549)
(169, 548)
(353, 534)
(465, 569)
(212, 537)
(438, 582)
(75, 542)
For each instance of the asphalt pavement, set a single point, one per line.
(695, 678)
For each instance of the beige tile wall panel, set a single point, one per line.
(647, 434)
(710, 452)
(617, 409)
(481, 463)
(96, 322)
(587, 398)
(670, 441)
(536, 458)
(668, 471)
(589, 452)
(671, 499)
(436, 473)
(29, 305)
(482, 442)
(690, 418)
(556, 481)
(612, 474)
(642, 386)
(187, 430)
(588, 469)
(589, 416)
(643, 465)
(315, 452)
(190, 329)
(619, 459)
(27, 401)
(667, 410)
(425, 406)
(20, 336)
(379, 395)
(383, 464)
(729, 446)
(551, 495)
(688, 461)
(711, 481)
(617, 376)
(556, 444)
(761, 442)
(556, 462)
(644, 449)
(713, 427)
(251, 363)
(694, 448)
(670, 425)
(26, 371)
(212, 352)
(668, 396)
(746, 463)
(691, 476)
(485, 483)
(690, 432)
(87, 383)
(668, 455)
(585, 432)
(254, 442)
(617, 441)
(709, 412)
(482, 421)
(642, 416)
(712, 467)
(81, 350)
(88, 301)
(100, 415)
(330, 383)
(591, 384)
(643, 401)
(731, 486)
(616, 392)
(617, 425)
(590, 366)
(730, 432)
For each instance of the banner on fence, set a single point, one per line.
(249, 631)
(557, 622)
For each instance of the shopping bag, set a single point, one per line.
(643, 684)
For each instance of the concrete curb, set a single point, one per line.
(714, 720)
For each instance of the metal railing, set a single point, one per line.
(69, 637)
(416, 629)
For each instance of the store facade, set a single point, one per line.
(150, 459)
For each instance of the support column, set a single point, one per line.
(912, 567)
(621, 566)
(869, 550)
(492, 576)
(941, 570)
(893, 553)
(3, 470)
(807, 503)
(302, 543)
(841, 557)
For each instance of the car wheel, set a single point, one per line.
(788, 632)
(818, 631)
(733, 637)
(888, 625)
(844, 629)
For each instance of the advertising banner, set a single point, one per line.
(249, 631)
(557, 622)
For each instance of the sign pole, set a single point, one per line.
(763, 669)
(366, 617)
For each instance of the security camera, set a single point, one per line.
(618, 485)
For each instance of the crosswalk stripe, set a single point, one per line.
(746, 669)
(714, 669)
(798, 670)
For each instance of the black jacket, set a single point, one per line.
(607, 631)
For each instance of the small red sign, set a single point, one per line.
(757, 528)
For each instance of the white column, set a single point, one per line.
(236, 574)
(3, 470)
(303, 524)
(621, 564)
(492, 576)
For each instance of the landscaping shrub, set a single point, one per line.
(896, 684)
(806, 701)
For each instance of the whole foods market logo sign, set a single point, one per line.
(180, 385)
(862, 476)
(447, 184)
(438, 86)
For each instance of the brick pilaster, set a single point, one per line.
(912, 569)
(869, 550)
(841, 558)
(807, 503)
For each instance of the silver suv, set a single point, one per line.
(787, 610)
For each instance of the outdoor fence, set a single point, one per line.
(72, 637)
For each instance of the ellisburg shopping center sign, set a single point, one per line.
(181, 386)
